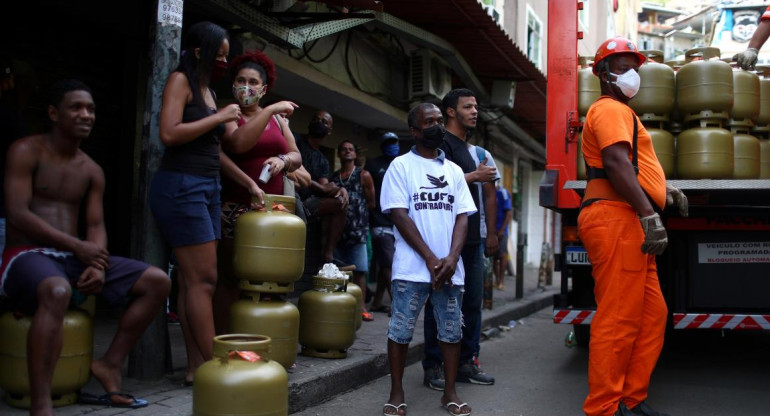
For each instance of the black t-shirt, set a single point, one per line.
(456, 150)
(314, 162)
(377, 168)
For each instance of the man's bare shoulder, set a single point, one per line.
(89, 165)
(29, 145)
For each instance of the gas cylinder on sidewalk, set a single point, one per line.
(357, 293)
(327, 326)
(72, 371)
(269, 246)
(268, 314)
(241, 379)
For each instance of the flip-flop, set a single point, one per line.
(367, 316)
(459, 408)
(104, 400)
(394, 407)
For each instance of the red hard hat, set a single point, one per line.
(613, 46)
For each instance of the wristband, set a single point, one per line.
(285, 162)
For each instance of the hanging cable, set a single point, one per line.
(328, 55)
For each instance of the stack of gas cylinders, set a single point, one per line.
(707, 119)
(268, 257)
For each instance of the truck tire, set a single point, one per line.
(582, 335)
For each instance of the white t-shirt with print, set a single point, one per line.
(490, 162)
(434, 192)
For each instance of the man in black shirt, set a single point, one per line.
(383, 240)
(322, 198)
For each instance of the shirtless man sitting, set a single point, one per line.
(46, 263)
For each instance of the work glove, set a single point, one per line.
(676, 197)
(746, 59)
(655, 239)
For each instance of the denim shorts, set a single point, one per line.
(408, 300)
(353, 254)
(186, 207)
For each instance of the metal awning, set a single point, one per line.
(488, 49)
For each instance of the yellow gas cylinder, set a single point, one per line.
(704, 85)
(269, 246)
(72, 371)
(655, 98)
(663, 143)
(763, 118)
(764, 158)
(357, 293)
(588, 85)
(241, 379)
(327, 326)
(268, 314)
(746, 155)
(581, 163)
(704, 152)
(746, 102)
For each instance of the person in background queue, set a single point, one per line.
(184, 194)
(259, 138)
(322, 199)
(381, 225)
(461, 110)
(622, 232)
(47, 265)
(428, 200)
(351, 248)
(502, 223)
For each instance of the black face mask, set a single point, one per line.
(318, 129)
(433, 136)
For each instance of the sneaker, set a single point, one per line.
(434, 378)
(644, 409)
(471, 372)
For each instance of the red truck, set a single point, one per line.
(715, 273)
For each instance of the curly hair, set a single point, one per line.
(258, 61)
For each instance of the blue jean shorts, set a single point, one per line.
(186, 207)
(353, 254)
(408, 300)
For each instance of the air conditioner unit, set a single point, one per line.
(503, 94)
(429, 75)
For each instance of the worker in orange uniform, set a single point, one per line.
(622, 232)
(748, 58)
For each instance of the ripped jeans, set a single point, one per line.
(409, 299)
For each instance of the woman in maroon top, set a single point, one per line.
(259, 138)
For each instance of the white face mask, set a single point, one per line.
(628, 82)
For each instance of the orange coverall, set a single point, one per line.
(628, 327)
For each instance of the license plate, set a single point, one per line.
(577, 256)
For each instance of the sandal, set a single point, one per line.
(458, 407)
(395, 408)
(367, 316)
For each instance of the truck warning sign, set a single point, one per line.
(737, 252)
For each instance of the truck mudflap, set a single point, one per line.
(721, 321)
(573, 316)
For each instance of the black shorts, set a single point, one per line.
(28, 269)
(383, 246)
(502, 248)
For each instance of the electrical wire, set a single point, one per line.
(328, 55)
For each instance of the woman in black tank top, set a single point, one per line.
(184, 197)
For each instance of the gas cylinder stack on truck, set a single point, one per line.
(710, 125)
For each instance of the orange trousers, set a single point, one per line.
(628, 328)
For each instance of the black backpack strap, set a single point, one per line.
(599, 173)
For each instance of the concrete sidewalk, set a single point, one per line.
(315, 380)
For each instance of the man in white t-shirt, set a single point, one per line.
(428, 200)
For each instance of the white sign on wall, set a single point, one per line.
(170, 12)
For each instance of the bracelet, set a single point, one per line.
(286, 162)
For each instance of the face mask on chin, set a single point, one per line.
(433, 136)
(628, 82)
(390, 150)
